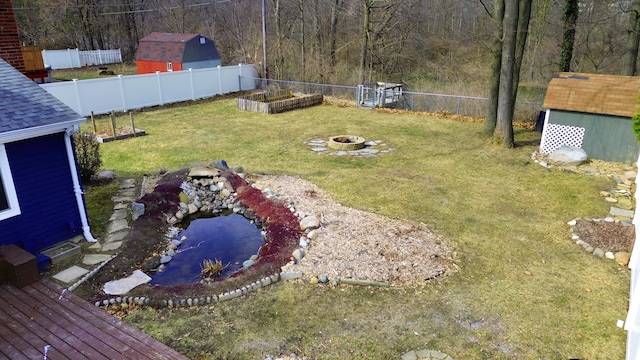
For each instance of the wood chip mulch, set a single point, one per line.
(361, 245)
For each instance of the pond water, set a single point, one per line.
(232, 239)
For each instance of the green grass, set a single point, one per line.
(91, 72)
(524, 290)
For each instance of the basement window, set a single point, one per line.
(8, 198)
(169, 66)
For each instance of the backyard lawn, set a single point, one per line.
(523, 290)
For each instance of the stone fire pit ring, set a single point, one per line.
(346, 142)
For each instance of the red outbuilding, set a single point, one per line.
(174, 52)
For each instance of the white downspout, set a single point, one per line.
(86, 231)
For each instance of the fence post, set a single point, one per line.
(458, 106)
(113, 124)
(122, 97)
(159, 87)
(93, 121)
(219, 79)
(193, 91)
(70, 59)
(133, 126)
(77, 90)
(240, 77)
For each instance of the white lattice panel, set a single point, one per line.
(556, 136)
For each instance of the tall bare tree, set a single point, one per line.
(570, 12)
(630, 57)
(494, 82)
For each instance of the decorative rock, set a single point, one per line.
(622, 257)
(309, 222)
(303, 242)
(411, 355)
(106, 175)
(598, 252)
(609, 255)
(171, 252)
(611, 200)
(165, 259)
(608, 219)
(247, 263)
(572, 223)
(605, 193)
(568, 156)
(323, 279)
(313, 234)
(625, 204)
(123, 286)
(298, 254)
(203, 172)
(314, 280)
(291, 275)
(220, 164)
(137, 210)
(192, 208)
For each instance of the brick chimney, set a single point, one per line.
(10, 50)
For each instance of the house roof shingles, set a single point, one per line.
(26, 105)
(594, 93)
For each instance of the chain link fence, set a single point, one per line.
(473, 106)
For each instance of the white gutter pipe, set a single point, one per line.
(86, 231)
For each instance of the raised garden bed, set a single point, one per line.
(61, 251)
(121, 133)
(277, 101)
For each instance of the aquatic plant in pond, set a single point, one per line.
(231, 239)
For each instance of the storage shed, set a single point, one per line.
(174, 52)
(592, 112)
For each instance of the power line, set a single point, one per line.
(158, 6)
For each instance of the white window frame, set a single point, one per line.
(9, 188)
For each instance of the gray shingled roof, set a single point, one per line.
(25, 105)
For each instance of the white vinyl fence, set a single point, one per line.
(74, 58)
(632, 323)
(123, 93)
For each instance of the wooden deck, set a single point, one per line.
(39, 321)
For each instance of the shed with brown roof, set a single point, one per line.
(592, 112)
(174, 52)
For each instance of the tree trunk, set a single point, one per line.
(332, 33)
(570, 18)
(302, 36)
(524, 16)
(494, 82)
(365, 39)
(279, 55)
(504, 130)
(629, 59)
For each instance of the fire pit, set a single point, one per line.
(346, 142)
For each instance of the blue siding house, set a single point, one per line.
(41, 201)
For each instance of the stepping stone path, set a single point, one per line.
(371, 149)
(425, 355)
(117, 229)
